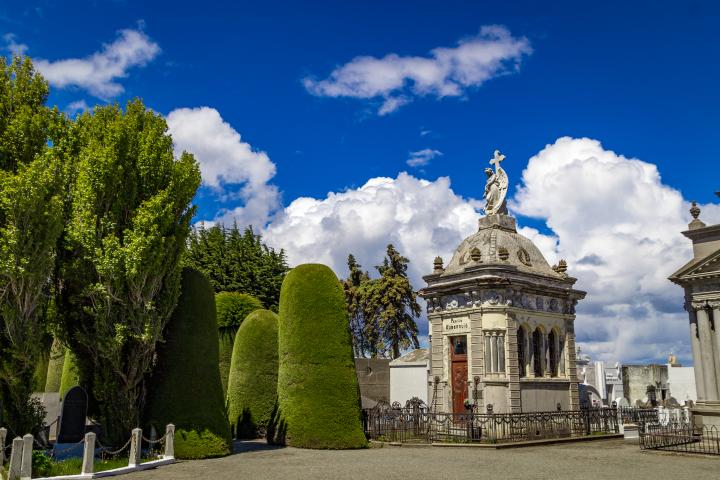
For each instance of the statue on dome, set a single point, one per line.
(496, 186)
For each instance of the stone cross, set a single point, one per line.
(497, 158)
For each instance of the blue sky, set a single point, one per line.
(640, 79)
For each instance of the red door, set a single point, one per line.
(459, 372)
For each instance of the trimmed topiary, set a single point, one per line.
(232, 308)
(252, 386)
(318, 394)
(55, 367)
(185, 387)
(70, 375)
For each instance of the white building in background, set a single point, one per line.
(409, 377)
(682, 382)
(600, 381)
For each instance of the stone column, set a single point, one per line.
(169, 441)
(501, 352)
(3, 437)
(531, 354)
(26, 463)
(561, 354)
(706, 353)
(696, 353)
(714, 314)
(135, 446)
(88, 454)
(15, 459)
(488, 353)
(493, 352)
(546, 354)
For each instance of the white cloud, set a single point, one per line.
(98, 73)
(618, 226)
(15, 48)
(421, 218)
(446, 72)
(77, 106)
(422, 157)
(225, 159)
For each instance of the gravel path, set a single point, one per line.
(606, 459)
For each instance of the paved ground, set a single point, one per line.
(606, 459)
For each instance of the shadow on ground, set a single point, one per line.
(244, 446)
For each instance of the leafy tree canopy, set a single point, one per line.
(237, 261)
(128, 224)
(382, 310)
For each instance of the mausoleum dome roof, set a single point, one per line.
(497, 242)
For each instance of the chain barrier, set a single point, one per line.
(106, 452)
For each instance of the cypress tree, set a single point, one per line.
(185, 388)
(252, 387)
(232, 308)
(318, 394)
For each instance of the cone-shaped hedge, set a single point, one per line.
(232, 308)
(185, 387)
(252, 386)
(55, 367)
(70, 374)
(318, 394)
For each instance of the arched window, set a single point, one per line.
(553, 354)
(522, 353)
(538, 352)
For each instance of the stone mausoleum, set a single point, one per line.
(502, 335)
(700, 278)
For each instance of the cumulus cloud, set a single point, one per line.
(446, 72)
(227, 161)
(422, 157)
(618, 226)
(98, 73)
(15, 48)
(421, 218)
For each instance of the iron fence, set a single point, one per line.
(639, 416)
(681, 437)
(419, 424)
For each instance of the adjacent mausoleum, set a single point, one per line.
(502, 335)
(700, 278)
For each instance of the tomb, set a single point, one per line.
(502, 335)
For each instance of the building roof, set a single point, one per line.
(418, 356)
(497, 242)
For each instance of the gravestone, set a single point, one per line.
(72, 418)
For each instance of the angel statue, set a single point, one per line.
(496, 186)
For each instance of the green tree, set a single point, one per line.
(354, 289)
(252, 387)
(318, 393)
(232, 308)
(391, 301)
(238, 262)
(128, 224)
(184, 388)
(31, 174)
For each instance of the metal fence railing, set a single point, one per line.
(680, 437)
(419, 424)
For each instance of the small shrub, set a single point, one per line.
(232, 308)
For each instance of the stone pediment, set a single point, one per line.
(698, 269)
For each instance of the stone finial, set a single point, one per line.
(475, 254)
(695, 222)
(438, 265)
(561, 267)
(695, 210)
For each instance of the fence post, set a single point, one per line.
(3, 436)
(15, 458)
(135, 447)
(88, 454)
(169, 441)
(26, 463)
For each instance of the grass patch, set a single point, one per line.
(72, 466)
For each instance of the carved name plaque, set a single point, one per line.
(456, 325)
